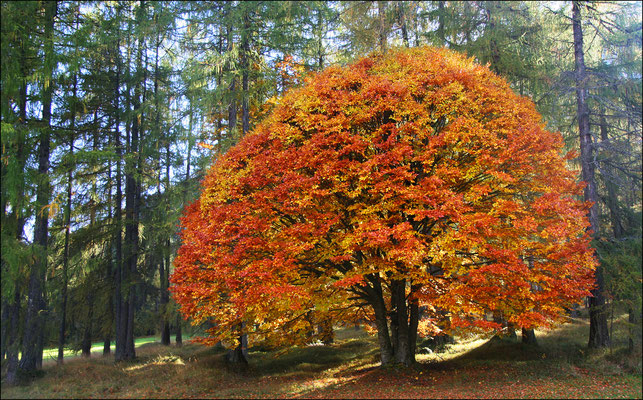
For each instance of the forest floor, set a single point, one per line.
(560, 367)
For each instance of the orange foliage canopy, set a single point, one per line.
(418, 166)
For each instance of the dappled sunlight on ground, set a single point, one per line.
(474, 367)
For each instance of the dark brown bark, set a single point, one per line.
(179, 335)
(86, 344)
(63, 317)
(325, 327)
(414, 319)
(165, 324)
(13, 343)
(402, 349)
(376, 299)
(34, 318)
(529, 337)
(598, 329)
(237, 356)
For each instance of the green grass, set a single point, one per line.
(476, 367)
(51, 354)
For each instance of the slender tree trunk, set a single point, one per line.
(245, 65)
(598, 329)
(109, 270)
(5, 324)
(382, 33)
(441, 19)
(414, 319)
(86, 345)
(34, 318)
(319, 32)
(612, 199)
(179, 335)
(13, 342)
(402, 21)
(63, 317)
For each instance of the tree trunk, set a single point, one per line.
(441, 18)
(608, 177)
(245, 65)
(326, 333)
(414, 318)
(237, 356)
(402, 21)
(118, 256)
(598, 330)
(529, 337)
(635, 335)
(379, 308)
(13, 343)
(179, 335)
(165, 325)
(382, 33)
(402, 349)
(34, 318)
(63, 317)
(86, 345)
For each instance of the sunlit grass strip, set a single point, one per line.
(97, 347)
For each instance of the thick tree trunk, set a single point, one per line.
(598, 330)
(326, 333)
(402, 348)
(529, 337)
(237, 356)
(379, 308)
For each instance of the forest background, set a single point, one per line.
(112, 111)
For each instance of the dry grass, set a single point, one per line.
(473, 368)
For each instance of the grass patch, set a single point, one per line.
(476, 367)
(51, 354)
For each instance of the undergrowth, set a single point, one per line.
(474, 367)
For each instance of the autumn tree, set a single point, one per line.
(414, 178)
